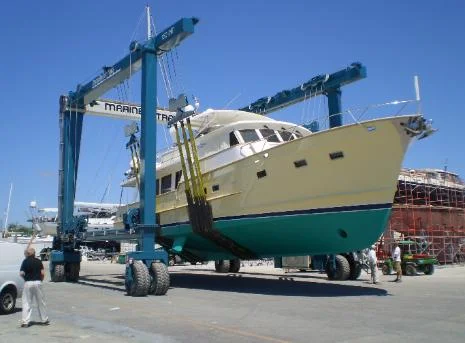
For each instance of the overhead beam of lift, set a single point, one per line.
(127, 66)
(318, 85)
(124, 111)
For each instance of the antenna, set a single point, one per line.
(8, 208)
(149, 27)
(417, 92)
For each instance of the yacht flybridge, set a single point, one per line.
(222, 137)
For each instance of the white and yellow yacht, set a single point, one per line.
(279, 189)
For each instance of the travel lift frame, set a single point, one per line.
(325, 84)
(65, 259)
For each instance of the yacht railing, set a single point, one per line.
(357, 115)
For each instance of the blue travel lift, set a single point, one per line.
(325, 84)
(147, 270)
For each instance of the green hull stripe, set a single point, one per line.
(301, 234)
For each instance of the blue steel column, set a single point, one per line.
(148, 147)
(334, 107)
(72, 129)
(68, 168)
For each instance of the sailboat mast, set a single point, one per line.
(8, 208)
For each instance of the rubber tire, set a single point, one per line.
(342, 271)
(141, 280)
(355, 267)
(429, 269)
(7, 301)
(58, 274)
(410, 270)
(355, 271)
(234, 265)
(387, 270)
(73, 272)
(222, 266)
(160, 282)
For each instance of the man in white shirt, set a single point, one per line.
(373, 261)
(397, 259)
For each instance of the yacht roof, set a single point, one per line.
(224, 117)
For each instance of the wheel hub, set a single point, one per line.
(8, 301)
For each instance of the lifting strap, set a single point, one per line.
(199, 209)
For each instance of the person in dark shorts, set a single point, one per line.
(32, 271)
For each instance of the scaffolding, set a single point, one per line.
(429, 208)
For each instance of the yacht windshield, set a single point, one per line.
(249, 135)
(269, 135)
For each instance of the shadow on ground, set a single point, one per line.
(15, 310)
(112, 284)
(283, 285)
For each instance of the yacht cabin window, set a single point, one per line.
(286, 135)
(166, 184)
(270, 135)
(233, 139)
(177, 178)
(249, 135)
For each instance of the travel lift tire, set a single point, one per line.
(58, 273)
(355, 267)
(234, 265)
(140, 285)
(72, 272)
(160, 278)
(355, 271)
(222, 266)
(342, 271)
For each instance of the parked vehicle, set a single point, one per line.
(11, 284)
(413, 260)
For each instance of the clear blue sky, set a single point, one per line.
(246, 48)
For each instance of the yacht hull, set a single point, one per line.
(289, 234)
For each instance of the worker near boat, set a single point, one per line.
(32, 271)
